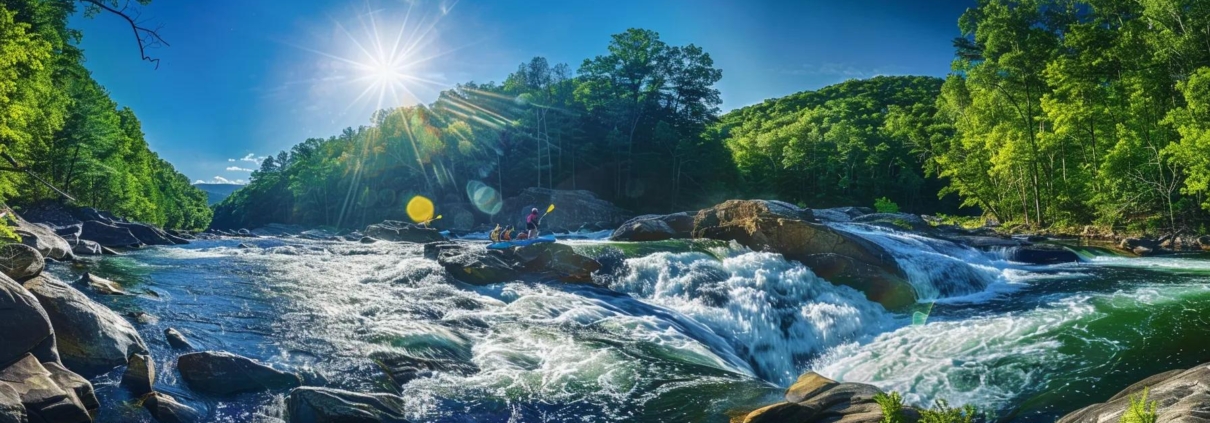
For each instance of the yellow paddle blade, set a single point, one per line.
(420, 209)
(437, 218)
(551, 208)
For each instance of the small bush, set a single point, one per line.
(885, 205)
(1139, 412)
(943, 413)
(892, 407)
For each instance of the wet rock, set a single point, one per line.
(393, 230)
(165, 409)
(985, 242)
(24, 325)
(367, 240)
(403, 368)
(85, 247)
(1183, 396)
(20, 261)
(100, 285)
(108, 234)
(244, 246)
(139, 376)
(833, 255)
(814, 398)
(41, 237)
(42, 396)
(840, 214)
(324, 405)
(224, 373)
(574, 209)
(176, 339)
(177, 239)
(897, 221)
(655, 228)
(92, 339)
(477, 265)
(1043, 254)
(147, 234)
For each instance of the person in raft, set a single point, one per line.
(495, 235)
(531, 223)
(507, 235)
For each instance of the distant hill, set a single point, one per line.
(215, 193)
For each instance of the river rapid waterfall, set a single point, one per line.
(681, 331)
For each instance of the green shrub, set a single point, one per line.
(943, 413)
(1139, 412)
(885, 205)
(7, 234)
(892, 407)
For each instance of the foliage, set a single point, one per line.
(58, 121)
(885, 205)
(1139, 411)
(892, 407)
(631, 126)
(941, 412)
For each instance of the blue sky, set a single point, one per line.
(243, 79)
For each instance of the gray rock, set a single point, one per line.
(402, 232)
(44, 399)
(75, 383)
(24, 325)
(147, 234)
(20, 261)
(85, 247)
(45, 240)
(165, 409)
(1043, 254)
(139, 376)
(11, 409)
(177, 340)
(477, 265)
(403, 368)
(655, 228)
(108, 234)
(224, 373)
(92, 339)
(897, 221)
(367, 240)
(1183, 396)
(840, 214)
(817, 399)
(100, 285)
(323, 405)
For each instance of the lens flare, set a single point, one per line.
(420, 209)
(484, 197)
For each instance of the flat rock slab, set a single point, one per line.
(322, 405)
(92, 339)
(223, 373)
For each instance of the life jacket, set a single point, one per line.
(522, 235)
(508, 236)
(495, 235)
(533, 218)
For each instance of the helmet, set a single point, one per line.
(535, 210)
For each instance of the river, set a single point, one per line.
(678, 331)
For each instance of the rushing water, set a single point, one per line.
(677, 331)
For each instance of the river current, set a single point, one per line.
(675, 331)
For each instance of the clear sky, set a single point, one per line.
(246, 78)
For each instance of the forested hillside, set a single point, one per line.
(629, 125)
(1057, 113)
(59, 122)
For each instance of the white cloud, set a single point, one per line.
(237, 169)
(252, 158)
(843, 70)
(222, 180)
(231, 160)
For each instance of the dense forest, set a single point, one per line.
(1058, 113)
(60, 123)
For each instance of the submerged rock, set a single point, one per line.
(165, 409)
(44, 399)
(24, 325)
(223, 373)
(177, 340)
(392, 230)
(20, 261)
(477, 265)
(1043, 254)
(833, 255)
(92, 339)
(1182, 396)
(100, 285)
(403, 368)
(324, 405)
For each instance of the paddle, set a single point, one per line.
(426, 223)
(548, 210)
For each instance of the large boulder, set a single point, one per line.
(1043, 254)
(85, 247)
(139, 376)
(1182, 395)
(108, 234)
(839, 257)
(147, 234)
(223, 373)
(20, 261)
(44, 399)
(841, 214)
(403, 368)
(897, 221)
(165, 409)
(24, 325)
(11, 409)
(39, 236)
(324, 405)
(92, 339)
(573, 209)
(653, 227)
(542, 262)
(814, 398)
(393, 230)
